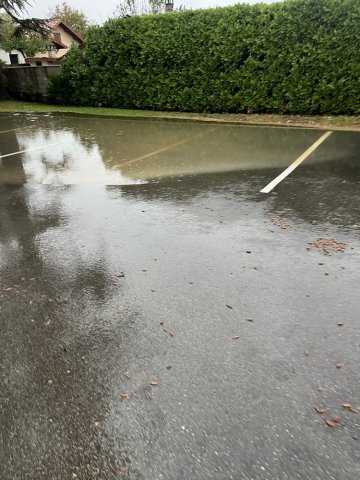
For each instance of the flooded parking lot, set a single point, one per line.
(62, 150)
(163, 319)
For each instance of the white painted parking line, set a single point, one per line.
(297, 162)
(18, 128)
(29, 149)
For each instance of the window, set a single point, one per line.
(57, 37)
(14, 59)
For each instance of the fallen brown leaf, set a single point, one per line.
(47, 323)
(340, 324)
(336, 418)
(127, 375)
(229, 306)
(347, 405)
(339, 365)
(320, 388)
(306, 353)
(8, 289)
(124, 395)
(236, 337)
(320, 410)
(249, 319)
(154, 383)
(162, 322)
(122, 470)
(329, 423)
(354, 410)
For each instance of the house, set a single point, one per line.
(15, 57)
(62, 37)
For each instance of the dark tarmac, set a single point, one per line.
(120, 267)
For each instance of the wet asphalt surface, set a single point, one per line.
(106, 288)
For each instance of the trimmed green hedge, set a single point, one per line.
(297, 56)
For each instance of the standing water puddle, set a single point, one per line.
(62, 150)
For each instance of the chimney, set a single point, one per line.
(169, 6)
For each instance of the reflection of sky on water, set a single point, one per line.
(127, 152)
(66, 163)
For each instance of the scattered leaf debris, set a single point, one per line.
(336, 418)
(161, 322)
(320, 410)
(127, 375)
(349, 407)
(327, 246)
(248, 319)
(279, 222)
(340, 324)
(236, 337)
(47, 323)
(330, 423)
(154, 383)
(122, 470)
(124, 395)
(229, 306)
(306, 353)
(320, 388)
(8, 289)
(339, 365)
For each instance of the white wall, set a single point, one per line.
(5, 57)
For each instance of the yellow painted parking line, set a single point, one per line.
(29, 149)
(164, 149)
(18, 128)
(4, 118)
(295, 164)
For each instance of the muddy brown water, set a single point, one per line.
(96, 150)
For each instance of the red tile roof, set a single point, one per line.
(55, 22)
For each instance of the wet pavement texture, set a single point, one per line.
(120, 267)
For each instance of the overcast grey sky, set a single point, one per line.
(98, 11)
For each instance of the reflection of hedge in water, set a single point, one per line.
(299, 56)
